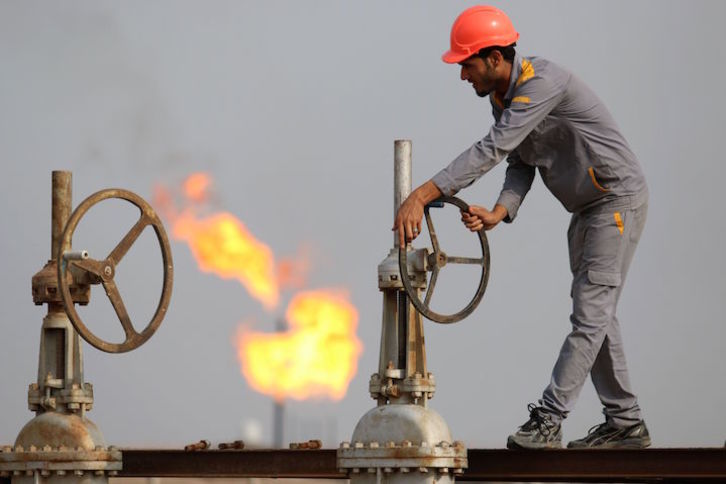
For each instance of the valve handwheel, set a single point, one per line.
(103, 271)
(436, 261)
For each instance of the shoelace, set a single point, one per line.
(538, 416)
(602, 431)
(596, 429)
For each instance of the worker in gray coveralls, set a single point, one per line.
(548, 119)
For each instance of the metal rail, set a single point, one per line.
(571, 465)
(598, 465)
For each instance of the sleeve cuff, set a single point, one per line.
(445, 183)
(510, 201)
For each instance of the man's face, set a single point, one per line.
(481, 73)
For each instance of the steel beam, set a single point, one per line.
(598, 465)
(312, 464)
(571, 465)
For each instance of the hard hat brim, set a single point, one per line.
(451, 57)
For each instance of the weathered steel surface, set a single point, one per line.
(62, 204)
(58, 460)
(45, 282)
(570, 465)
(317, 464)
(401, 176)
(598, 465)
(399, 437)
(103, 271)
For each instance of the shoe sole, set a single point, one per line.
(621, 444)
(514, 445)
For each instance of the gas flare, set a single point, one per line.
(317, 357)
(222, 245)
(196, 187)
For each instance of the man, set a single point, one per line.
(548, 119)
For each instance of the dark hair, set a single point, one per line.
(507, 51)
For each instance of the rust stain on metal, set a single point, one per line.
(103, 271)
(236, 445)
(606, 465)
(310, 445)
(201, 445)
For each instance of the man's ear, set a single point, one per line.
(495, 58)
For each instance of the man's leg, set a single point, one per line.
(592, 315)
(609, 372)
(601, 248)
(610, 377)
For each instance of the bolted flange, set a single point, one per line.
(60, 460)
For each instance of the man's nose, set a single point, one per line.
(464, 76)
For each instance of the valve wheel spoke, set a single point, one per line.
(464, 260)
(93, 266)
(432, 231)
(118, 305)
(439, 259)
(123, 247)
(432, 284)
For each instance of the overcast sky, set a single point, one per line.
(292, 108)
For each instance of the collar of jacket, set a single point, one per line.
(516, 72)
(498, 101)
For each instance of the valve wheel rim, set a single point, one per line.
(412, 293)
(134, 339)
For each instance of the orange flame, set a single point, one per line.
(317, 357)
(292, 272)
(221, 244)
(196, 187)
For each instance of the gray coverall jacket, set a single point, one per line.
(550, 121)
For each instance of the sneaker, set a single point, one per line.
(607, 436)
(539, 432)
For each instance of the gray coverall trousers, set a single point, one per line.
(602, 241)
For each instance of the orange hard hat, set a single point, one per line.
(476, 28)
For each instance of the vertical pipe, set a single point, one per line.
(278, 409)
(61, 209)
(401, 191)
(403, 314)
(401, 176)
(278, 422)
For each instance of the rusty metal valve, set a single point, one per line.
(102, 271)
(435, 261)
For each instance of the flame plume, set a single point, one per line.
(222, 245)
(317, 357)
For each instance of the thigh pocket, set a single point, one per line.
(603, 278)
(602, 248)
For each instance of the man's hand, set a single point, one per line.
(479, 217)
(409, 215)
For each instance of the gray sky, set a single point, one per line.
(293, 108)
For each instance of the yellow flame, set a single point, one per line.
(221, 244)
(318, 356)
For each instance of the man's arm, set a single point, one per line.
(409, 215)
(533, 100)
(517, 182)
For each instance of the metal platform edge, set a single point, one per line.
(563, 465)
